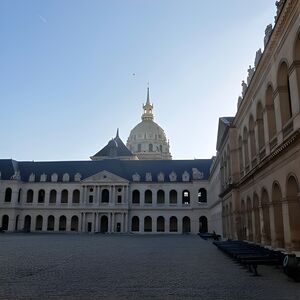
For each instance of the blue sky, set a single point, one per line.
(66, 71)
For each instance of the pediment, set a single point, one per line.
(105, 177)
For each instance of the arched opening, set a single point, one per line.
(53, 195)
(62, 223)
(17, 222)
(74, 223)
(243, 232)
(278, 218)
(270, 112)
(76, 197)
(160, 224)
(5, 221)
(64, 196)
(173, 197)
(19, 195)
(50, 223)
(246, 147)
(252, 138)
(203, 224)
(202, 195)
(136, 197)
(41, 196)
(260, 126)
(105, 196)
(27, 223)
(135, 224)
(148, 224)
(186, 197)
(284, 93)
(257, 227)
(186, 225)
(266, 230)
(297, 59)
(160, 197)
(39, 223)
(292, 191)
(249, 220)
(8, 194)
(173, 224)
(29, 198)
(148, 197)
(104, 224)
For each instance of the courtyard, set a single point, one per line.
(91, 266)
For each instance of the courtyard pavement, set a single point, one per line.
(83, 266)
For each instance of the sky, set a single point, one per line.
(73, 71)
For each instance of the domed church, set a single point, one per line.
(147, 140)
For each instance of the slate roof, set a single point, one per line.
(122, 168)
(114, 148)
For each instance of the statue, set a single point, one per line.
(279, 4)
(251, 72)
(257, 57)
(244, 88)
(240, 99)
(268, 32)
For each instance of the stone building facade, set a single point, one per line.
(259, 149)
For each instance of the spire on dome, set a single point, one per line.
(117, 135)
(148, 108)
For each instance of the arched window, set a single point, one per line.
(52, 196)
(173, 224)
(150, 148)
(284, 93)
(136, 197)
(270, 112)
(203, 224)
(39, 223)
(62, 223)
(292, 192)
(8, 194)
(160, 197)
(5, 222)
(252, 137)
(160, 224)
(148, 197)
(74, 223)
(173, 197)
(105, 196)
(64, 196)
(278, 217)
(135, 224)
(50, 223)
(76, 196)
(202, 195)
(266, 216)
(148, 224)
(186, 197)
(186, 225)
(29, 196)
(260, 125)
(41, 196)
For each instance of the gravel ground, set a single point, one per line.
(83, 266)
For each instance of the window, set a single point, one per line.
(91, 198)
(202, 195)
(135, 197)
(105, 196)
(52, 196)
(186, 197)
(119, 199)
(76, 196)
(64, 196)
(29, 196)
(41, 197)
(173, 197)
(8, 194)
(148, 197)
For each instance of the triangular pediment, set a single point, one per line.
(105, 177)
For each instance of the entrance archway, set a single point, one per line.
(203, 224)
(104, 224)
(27, 223)
(5, 221)
(186, 225)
